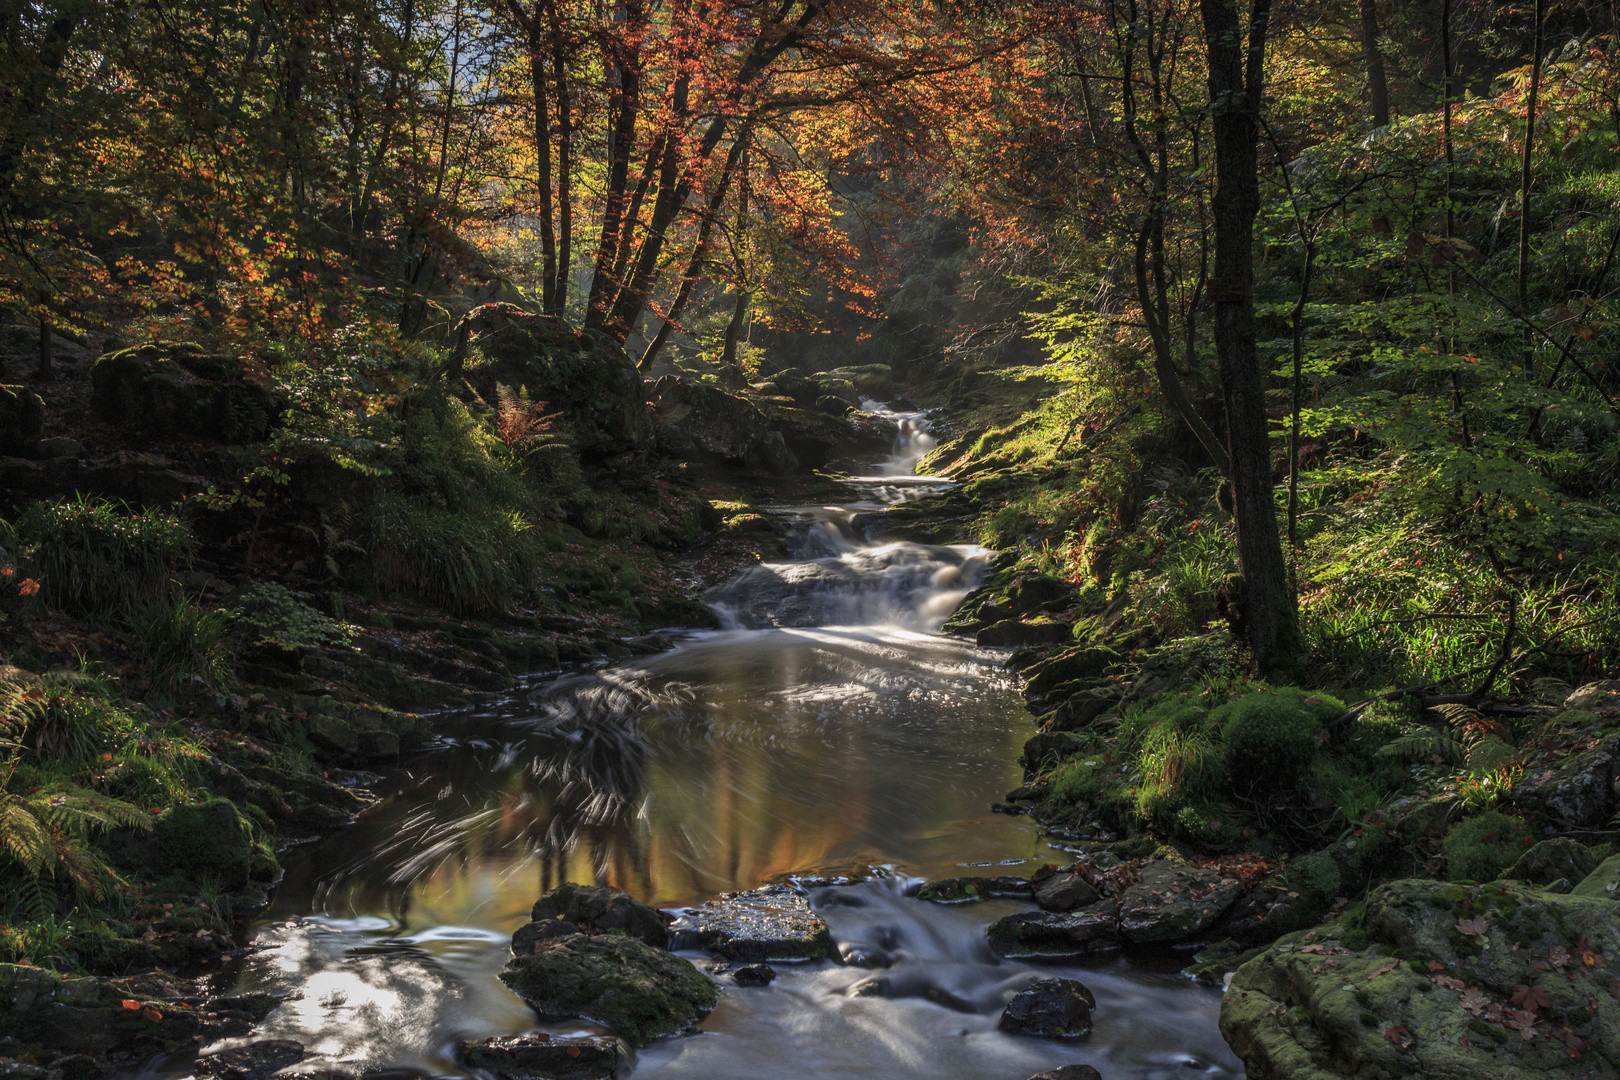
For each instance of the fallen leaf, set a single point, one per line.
(128, 1004)
(1533, 998)
(1398, 1035)
(1474, 1000)
(151, 1014)
(1473, 927)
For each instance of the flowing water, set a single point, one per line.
(828, 734)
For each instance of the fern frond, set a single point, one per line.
(1422, 744)
(22, 837)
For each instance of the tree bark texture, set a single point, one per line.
(1377, 83)
(1236, 83)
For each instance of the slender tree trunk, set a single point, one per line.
(565, 166)
(1377, 84)
(44, 370)
(1524, 182)
(1236, 84)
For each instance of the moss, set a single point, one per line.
(1269, 739)
(206, 838)
(1482, 847)
(640, 992)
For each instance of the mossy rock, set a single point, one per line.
(1481, 848)
(1551, 860)
(605, 910)
(206, 839)
(773, 923)
(1269, 738)
(1604, 882)
(165, 389)
(1439, 980)
(642, 993)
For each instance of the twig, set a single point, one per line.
(1507, 643)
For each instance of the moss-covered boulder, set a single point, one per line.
(642, 993)
(773, 923)
(169, 389)
(1441, 981)
(1552, 860)
(206, 839)
(1016, 633)
(697, 419)
(1602, 883)
(603, 909)
(584, 375)
(522, 1057)
(22, 420)
(1173, 902)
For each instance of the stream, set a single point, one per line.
(827, 735)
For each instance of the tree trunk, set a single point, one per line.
(1236, 83)
(1524, 183)
(1377, 84)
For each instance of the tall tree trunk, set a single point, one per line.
(1236, 84)
(1524, 182)
(565, 166)
(1377, 84)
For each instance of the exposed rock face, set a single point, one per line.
(961, 890)
(603, 909)
(1577, 792)
(1064, 892)
(1173, 903)
(1051, 934)
(1456, 983)
(253, 1061)
(1598, 696)
(1014, 633)
(695, 418)
(542, 1057)
(1069, 1072)
(163, 390)
(54, 1015)
(1551, 860)
(754, 975)
(582, 374)
(1602, 883)
(772, 923)
(1050, 1008)
(642, 993)
(22, 420)
(1014, 601)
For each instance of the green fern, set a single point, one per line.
(1424, 744)
(49, 832)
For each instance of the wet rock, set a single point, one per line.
(1550, 860)
(1577, 792)
(529, 936)
(772, 923)
(377, 744)
(862, 955)
(1172, 902)
(253, 1061)
(696, 418)
(60, 447)
(1056, 933)
(1051, 1009)
(1602, 883)
(542, 1057)
(962, 890)
(771, 453)
(1064, 892)
(640, 992)
(1014, 634)
(602, 908)
(81, 1067)
(754, 975)
(1598, 696)
(1082, 662)
(22, 420)
(1450, 981)
(1069, 1072)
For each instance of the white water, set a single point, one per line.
(832, 730)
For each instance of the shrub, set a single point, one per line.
(185, 642)
(210, 837)
(91, 556)
(472, 560)
(1269, 739)
(1480, 848)
(276, 617)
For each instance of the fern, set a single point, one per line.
(48, 833)
(1422, 744)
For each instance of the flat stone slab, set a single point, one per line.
(250, 1062)
(965, 890)
(1172, 902)
(774, 923)
(542, 1057)
(1092, 928)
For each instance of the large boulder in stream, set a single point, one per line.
(696, 418)
(1173, 902)
(1051, 1009)
(642, 993)
(1441, 981)
(601, 908)
(774, 923)
(1056, 935)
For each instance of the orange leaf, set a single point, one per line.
(151, 1014)
(128, 1004)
